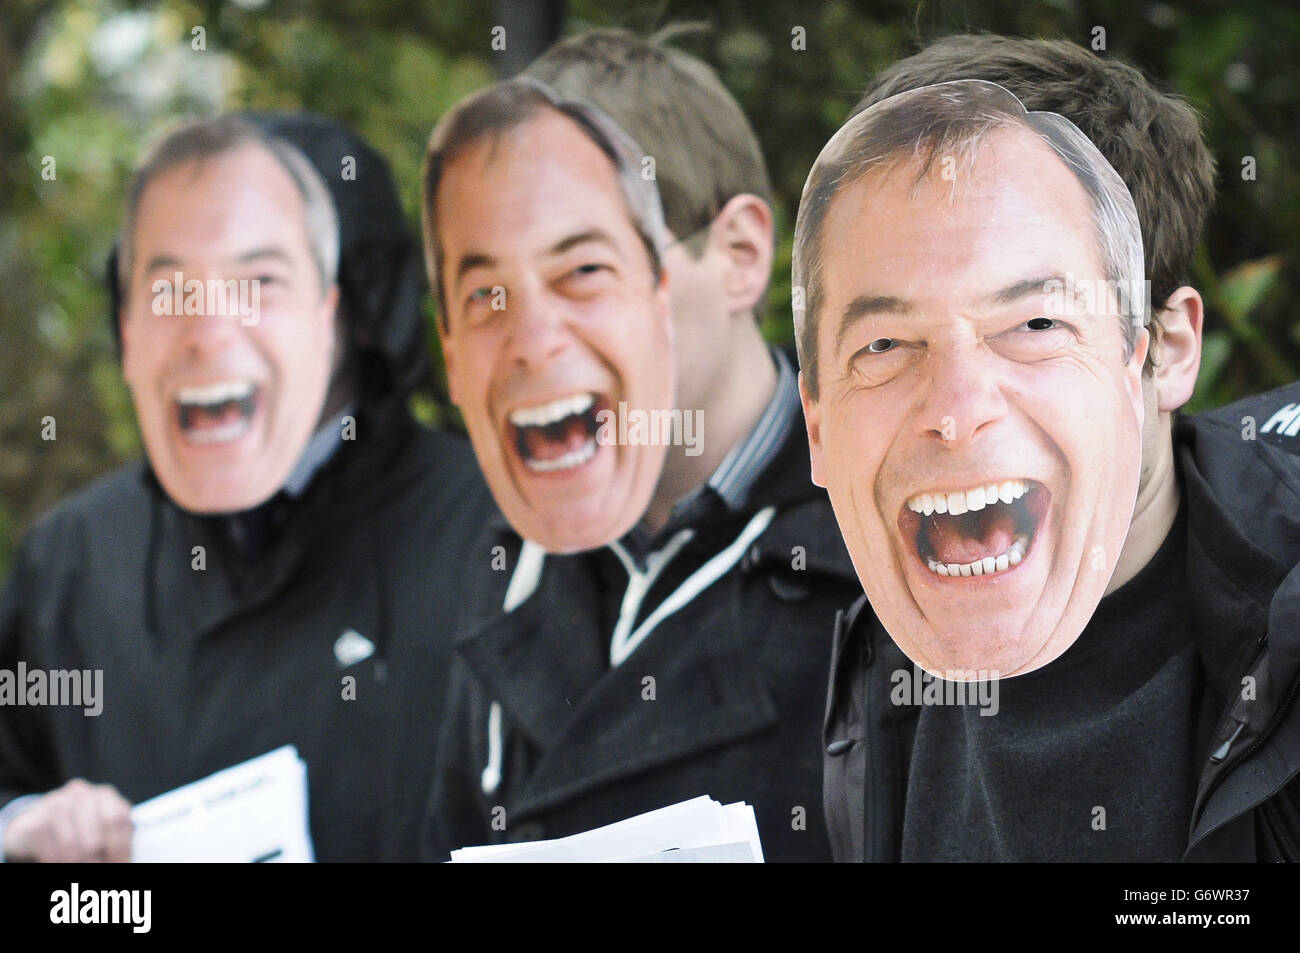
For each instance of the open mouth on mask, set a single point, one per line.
(219, 412)
(559, 435)
(981, 530)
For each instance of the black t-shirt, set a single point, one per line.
(1093, 757)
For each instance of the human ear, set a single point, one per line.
(742, 233)
(1178, 348)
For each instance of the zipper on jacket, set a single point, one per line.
(1254, 746)
(1222, 751)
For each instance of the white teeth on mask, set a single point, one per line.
(574, 458)
(211, 395)
(543, 414)
(961, 501)
(988, 566)
(223, 434)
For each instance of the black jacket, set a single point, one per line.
(203, 668)
(1241, 498)
(737, 673)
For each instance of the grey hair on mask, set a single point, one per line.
(202, 139)
(954, 119)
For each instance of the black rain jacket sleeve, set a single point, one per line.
(25, 750)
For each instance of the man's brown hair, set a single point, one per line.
(676, 108)
(1152, 139)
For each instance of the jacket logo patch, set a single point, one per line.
(353, 647)
(1286, 420)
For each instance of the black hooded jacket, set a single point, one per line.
(205, 667)
(1241, 502)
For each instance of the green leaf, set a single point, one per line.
(1245, 286)
(1215, 351)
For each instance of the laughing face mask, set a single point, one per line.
(971, 347)
(556, 312)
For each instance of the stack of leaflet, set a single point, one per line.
(697, 831)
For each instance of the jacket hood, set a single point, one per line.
(381, 277)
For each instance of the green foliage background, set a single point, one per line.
(89, 83)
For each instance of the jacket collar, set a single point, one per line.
(807, 529)
(544, 664)
(1242, 500)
